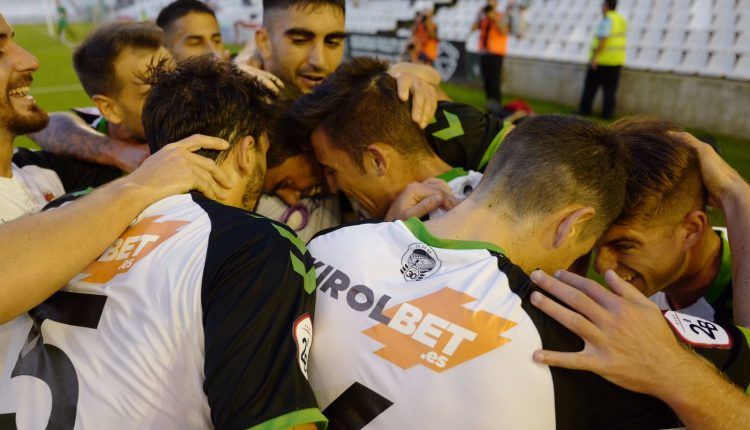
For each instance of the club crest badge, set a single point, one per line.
(419, 261)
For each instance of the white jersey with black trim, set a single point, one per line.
(414, 331)
(309, 216)
(461, 182)
(38, 177)
(27, 191)
(199, 315)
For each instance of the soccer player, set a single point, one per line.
(199, 315)
(628, 342)
(414, 316)
(663, 242)
(363, 136)
(191, 29)
(50, 247)
(29, 180)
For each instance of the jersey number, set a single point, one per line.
(356, 407)
(48, 362)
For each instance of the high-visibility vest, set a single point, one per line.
(491, 39)
(613, 53)
(425, 44)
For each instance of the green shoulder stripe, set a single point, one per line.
(302, 416)
(419, 230)
(494, 145)
(452, 174)
(746, 333)
(308, 276)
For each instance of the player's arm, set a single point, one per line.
(258, 297)
(729, 191)
(42, 252)
(628, 342)
(68, 135)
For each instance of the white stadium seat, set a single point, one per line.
(669, 60)
(722, 39)
(697, 39)
(721, 63)
(741, 69)
(695, 61)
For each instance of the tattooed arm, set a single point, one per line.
(69, 135)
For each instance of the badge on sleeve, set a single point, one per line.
(698, 332)
(303, 330)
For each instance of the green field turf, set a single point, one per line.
(56, 88)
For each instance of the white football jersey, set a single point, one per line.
(309, 216)
(199, 315)
(418, 332)
(40, 177)
(461, 182)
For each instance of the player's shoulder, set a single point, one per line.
(235, 225)
(347, 229)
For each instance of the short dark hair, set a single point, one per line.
(611, 4)
(359, 105)
(303, 4)
(282, 145)
(179, 8)
(550, 161)
(664, 179)
(94, 58)
(207, 96)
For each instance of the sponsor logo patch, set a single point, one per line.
(418, 262)
(438, 332)
(134, 244)
(698, 332)
(303, 331)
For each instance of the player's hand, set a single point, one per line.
(420, 198)
(423, 96)
(269, 80)
(175, 169)
(627, 340)
(128, 155)
(720, 179)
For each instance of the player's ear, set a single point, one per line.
(692, 227)
(376, 159)
(263, 42)
(108, 108)
(570, 223)
(247, 153)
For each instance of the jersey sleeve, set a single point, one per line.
(464, 136)
(726, 346)
(74, 174)
(258, 299)
(584, 399)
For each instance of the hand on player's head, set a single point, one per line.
(175, 169)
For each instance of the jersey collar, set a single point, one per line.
(452, 174)
(419, 230)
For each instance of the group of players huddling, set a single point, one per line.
(210, 280)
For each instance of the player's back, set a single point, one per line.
(167, 329)
(414, 331)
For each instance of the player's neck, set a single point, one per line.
(6, 154)
(119, 132)
(471, 222)
(706, 259)
(429, 167)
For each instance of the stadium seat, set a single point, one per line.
(652, 37)
(722, 39)
(646, 58)
(697, 38)
(742, 44)
(741, 69)
(675, 37)
(669, 60)
(721, 63)
(695, 61)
